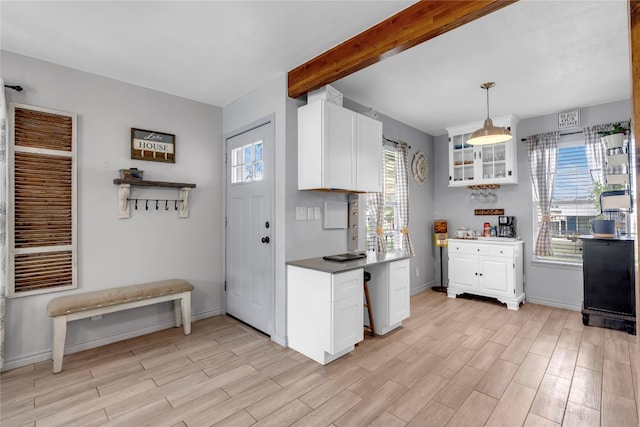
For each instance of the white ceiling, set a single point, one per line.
(545, 56)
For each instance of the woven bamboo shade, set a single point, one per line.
(38, 129)
(43, 200)
(43, 270)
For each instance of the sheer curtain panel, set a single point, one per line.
(542, 151)
(402, 191)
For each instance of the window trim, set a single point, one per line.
(73, 247)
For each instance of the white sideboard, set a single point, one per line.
(491, 268)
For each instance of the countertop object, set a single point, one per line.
(326, 266)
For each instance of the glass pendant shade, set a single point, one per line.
(489, 134)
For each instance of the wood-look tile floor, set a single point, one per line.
(455, 362)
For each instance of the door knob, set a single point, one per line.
(265, 239)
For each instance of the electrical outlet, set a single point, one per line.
(316, 212)
(417, 272)
(301, 213)
(309, 213)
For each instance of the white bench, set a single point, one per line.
(88, 304)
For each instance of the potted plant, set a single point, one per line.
(613, 137)
(603, 227)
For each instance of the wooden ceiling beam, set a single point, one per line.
(409, 27)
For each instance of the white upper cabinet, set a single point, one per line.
(338, 149)
(482, 164)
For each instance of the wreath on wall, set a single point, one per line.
(420, 168)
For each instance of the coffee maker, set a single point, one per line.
(506, 226)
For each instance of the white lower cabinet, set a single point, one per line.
(324, 312)
(488, 268)
(389, 289)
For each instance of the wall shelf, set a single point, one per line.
(145, 183)
(124, 189)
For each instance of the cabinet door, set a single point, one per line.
(368, 154)
(494, 162)
(496, 276)
(461, 161)
(347, 317)
(463, 271)
(399, 291)
(338, 155)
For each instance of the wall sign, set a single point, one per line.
(153, 146)
(569, 119)
(488, 211)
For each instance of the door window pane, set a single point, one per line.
(247, 163)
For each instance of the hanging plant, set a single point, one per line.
(616, 128)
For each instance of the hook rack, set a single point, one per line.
(158, 207)
(124, 188)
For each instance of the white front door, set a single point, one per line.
(249, 234)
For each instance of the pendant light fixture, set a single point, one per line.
(489, 134)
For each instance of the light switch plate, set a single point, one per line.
(301, 213)
(317, 212)
(309, 213)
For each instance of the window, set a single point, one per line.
(391, 231)
(246, 163)
(42, 200)
(572, 206)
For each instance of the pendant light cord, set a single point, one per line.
(487, 103)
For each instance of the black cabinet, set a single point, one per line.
(609, 280)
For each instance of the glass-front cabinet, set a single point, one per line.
(482, 164)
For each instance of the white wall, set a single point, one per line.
(559, 286)
(149, 246)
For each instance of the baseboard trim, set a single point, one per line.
(121, 336)
(552, 303)
(422, 288)
(279, 339)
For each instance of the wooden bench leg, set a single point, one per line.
(177, 311)
(59, 336)
(185, 303)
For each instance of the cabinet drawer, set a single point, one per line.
(347, 284)
(468, 249)
(502, 251)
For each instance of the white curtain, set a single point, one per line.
(542, 151)
(402, 194)
(596, 152)
(4, 250)
(377, 206)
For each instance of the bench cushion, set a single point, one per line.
(89, 300)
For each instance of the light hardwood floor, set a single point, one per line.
(455, 362)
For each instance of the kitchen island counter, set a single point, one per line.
(372, 258)
(325, 314)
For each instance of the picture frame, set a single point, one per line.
(569, 119)
(153, 146)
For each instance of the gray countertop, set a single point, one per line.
(372, 258)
